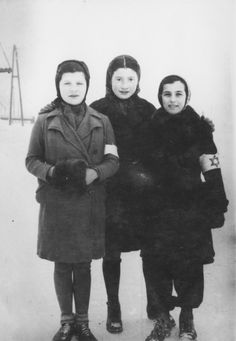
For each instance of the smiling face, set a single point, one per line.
(174, 97)
(73, 87)
(124, 82)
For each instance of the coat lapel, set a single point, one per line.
(77, 138)
(91, 121)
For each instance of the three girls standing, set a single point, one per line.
(166, 196)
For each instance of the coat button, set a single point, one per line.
(95, 151)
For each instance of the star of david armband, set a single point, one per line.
(111, 149)
(214, 198)
(209, 162)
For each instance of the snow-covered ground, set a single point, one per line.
(28, 306)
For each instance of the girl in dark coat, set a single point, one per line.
(125, 217)
(71, 152)
(183, 208)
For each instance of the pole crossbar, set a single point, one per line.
(6, 69)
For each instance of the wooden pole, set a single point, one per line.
(19, 87)
(12, 77)
(17, 75)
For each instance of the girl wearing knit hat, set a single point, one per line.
(72, 152)
(179, 240)
(127, 190)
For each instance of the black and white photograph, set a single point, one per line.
(117, 135)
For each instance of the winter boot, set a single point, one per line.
(83, 333)
(186, 326)
(162, 327)
(170, 325)
(114, 322)
(65, 333)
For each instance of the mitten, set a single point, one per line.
(59, 177)
(69, 174)
(214, 202)
(217, 220)
(216, 198)
(76, 172)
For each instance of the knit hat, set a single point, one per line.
(169, 80)
(71, 66)
(123, 61)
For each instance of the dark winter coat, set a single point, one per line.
(71, 223)
(182, 209)
(125, 219)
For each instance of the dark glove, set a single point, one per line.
(214, 219)
(59, 176)
(213, 199)
(218, 220)
(69, 173)
(76, 170)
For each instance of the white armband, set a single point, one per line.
(111, 149)
(209, 162)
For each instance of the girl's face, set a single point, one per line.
(73, 87)
(124, 82)
(174, 97)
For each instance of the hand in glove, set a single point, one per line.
(76, 170)
(214, 201)
(69, 173)
(218, 220)
(215, 193)
(57, 175)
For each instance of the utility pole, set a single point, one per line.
(17, 76)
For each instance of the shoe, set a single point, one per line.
(65, 333)
(162, 328)
(186, 329)
(83, 333)
(114, 323)
(172, 323)
(152, 315)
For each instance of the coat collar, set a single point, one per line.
(92, 120)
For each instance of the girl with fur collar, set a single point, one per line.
(126, 191)
(183, 208)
